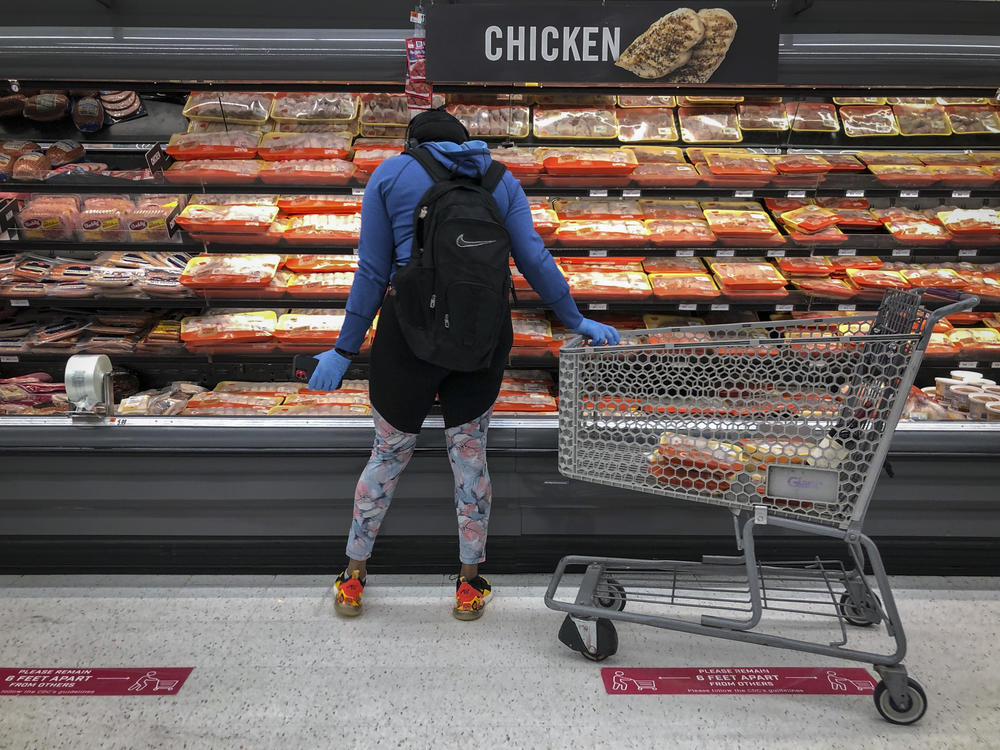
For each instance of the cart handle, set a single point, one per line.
(963, 302)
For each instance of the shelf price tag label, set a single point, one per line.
(847, 252)
(687, 306)
(598, 193)
(597, 306)
(784, 308)
(995, 365)
(961, 193)
(19, 303)
(726, 253)
(156, 160)
(743, 193)
(685, 253)
(968, 253)
(720, 307)
(968, 365)
(900, 252)
(854, 193)
(847, 308)
(631, 193)
(796, 194)
(8, 210)
(357, 191)
(598, 253)
(909, 193)
(9, 359)
(775, 253)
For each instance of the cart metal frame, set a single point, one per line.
(615, 402)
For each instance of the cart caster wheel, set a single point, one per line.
(861, 614)
(612, 595)
(595, 639)
(910, 713)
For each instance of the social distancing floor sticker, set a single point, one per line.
(84, 681)
(738, 681)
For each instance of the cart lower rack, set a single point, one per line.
(786, 424)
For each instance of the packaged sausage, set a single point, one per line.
(647, 125)
(233, 144)
(88, 115)
(575, 123)
(46, 107)
(18, 148)
(64, 152)
(33, 166)
(12, 105)
(308, 171)
(249, 108)
(315, 107)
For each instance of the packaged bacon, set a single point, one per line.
(279, 146)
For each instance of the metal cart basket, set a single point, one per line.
(786, 424)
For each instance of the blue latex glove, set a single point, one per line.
(330, 372)
(598, 333)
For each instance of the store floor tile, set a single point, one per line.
(275, 668)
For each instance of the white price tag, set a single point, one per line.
(598, 253)
(598, 193)
(796, 193)
(726, 253)
(855, 193)
(685, 253)
(775, 253)
(743, 193)
(784, 308)
(995, 365)
(357, 191)
(416, 17)
(19, 303)
(968, 365)
(847, 251)
(847, 308)
(969, 253)
(631, 193)
(961, 193)
(687, 306)
(909, 193)
(720, 308)
(9, 359)
(900, 253)
(597, 306)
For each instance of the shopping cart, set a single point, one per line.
(787, 424)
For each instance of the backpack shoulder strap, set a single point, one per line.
(437, 170)
(494, 174)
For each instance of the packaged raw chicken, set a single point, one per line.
(320, 204)
(300, 263)
(762, 117)
(666, 175)
(657, 154)
(234, 171)
(233, 144)
(801, 164)
(278, 146)
(920, 119)
(682, 287)
(973, 119)
(597, 209)
(237, 219)
(809, 219)
(367, 158)
(314, 107)
(634, 100)
(509, 121)
(647, 125)
(672, 265)
(964, 221)
(530, 327)
(235, 327)
(900, 175)
(229, 404)
(390, 109)
(861, 121)
(588, 285)
(880, 279)
(963, 176)
(308, 171)
(526, 402)
(889, 157)
(816, 265)
(587, 233)
(658, 208)
(949, 158)
(856, 218)
(854, 100)
(545, 220)
(841, 264)
(709, 125)
(825, 287)
(229, 106)
(844, 163)
(942, 278)
(689, 232)
(324, 228)
(227, 271)
(587, 161)
(252, 388)
(977, 342)
(747, 276)
(750, 224)
(522, 163)
(575, 123)
(332, 285)
(830, 236)
(813, 117)
(915, 232)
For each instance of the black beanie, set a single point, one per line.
(437, 125)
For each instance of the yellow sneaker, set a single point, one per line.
(471, 597)
(347, 601)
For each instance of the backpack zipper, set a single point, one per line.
(423, 212)
(447, 324)
(433, 301)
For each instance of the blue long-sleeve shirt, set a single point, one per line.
(390, 199)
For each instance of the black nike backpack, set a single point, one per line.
(452, 298)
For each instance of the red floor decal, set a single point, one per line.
(93, 681)
(738, 681)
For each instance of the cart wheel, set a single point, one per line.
(603, 638)
(612, 595)
(861, 614)
(911, 713)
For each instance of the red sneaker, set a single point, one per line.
(471, 597)
(347, 601)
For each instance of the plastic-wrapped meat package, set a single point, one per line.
(801, 164)
(665, 266)
(70, 272)
(830, 236)
(315, 107)
(236, 171)
(212, 271)
(657, 154)
(526, 402)
(739, 164)
(320, 410)
(977, 342)
(688, 232)
(367, 158)
(630, 100)
(104, 219)
(513, 121)
(666, 175)
(620, 263)
(916, 119)
(151, 223)
(903, 175)
(809, 219)
(683, 287)
(278, 146)
(320, 204)
(235, 199)
(813, 117)
(587, 161)
(942, 278)
(244, 107)
(390, 109)
(919, 233)
(872, 158)
(575, 123)
(597, 209)
(856, 218)
(311, 171)
(238, 219)
(841, 264)
(657, 208)
(962, 175)
(969, 120)
(964, 221)
(320, 228)
(647, 125)
(254, 388)
(585, 233)
(747, 276)
(300, 263)
(235, 327)
(808, 266)
(762, 117)
(530, 327)
(545, 220)
(520, 162)
(297, 328)
(862, 121)
(230, 404)
(844, 163)
(233, 144)
(709, 125)
(825, 288)
(879, 280)
(321, 284)
(726, 223)
(347, 127)
(49, 218)
(207, 126)
(609, 284)
(33, 166)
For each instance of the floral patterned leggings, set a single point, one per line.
(390, 455)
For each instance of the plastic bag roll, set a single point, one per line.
(85, 375)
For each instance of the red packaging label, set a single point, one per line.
(85, 681)
(738, 681)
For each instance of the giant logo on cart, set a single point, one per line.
(738, 681)
(665, 43)
(86, 681)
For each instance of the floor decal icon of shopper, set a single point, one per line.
(840, 683)
(149, 679)
(620, 682)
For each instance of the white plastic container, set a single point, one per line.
(978, 403)
(993, 411)
(966, 375)
(960, 395)
(943, 384)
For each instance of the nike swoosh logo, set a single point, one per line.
(462, 242)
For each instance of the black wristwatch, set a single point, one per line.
(343, 353)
